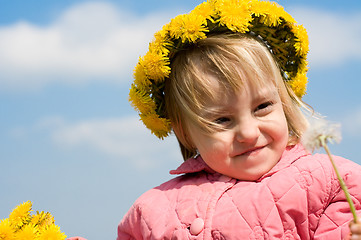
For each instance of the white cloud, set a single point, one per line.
(334, 37)
(88, 41)
(123, 138)
(98, 41)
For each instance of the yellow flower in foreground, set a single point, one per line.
(158, 126)
(188, 27)
(42, 219)
(21, 214)
(22, 225)
(28, 232)
(52, 232)
(6, 230)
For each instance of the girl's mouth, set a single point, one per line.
(250, 151)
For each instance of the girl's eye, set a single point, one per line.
(263, 107)
(221, 120)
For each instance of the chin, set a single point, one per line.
(250, 177)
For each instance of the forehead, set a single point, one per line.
(221, 91)
(216, 83)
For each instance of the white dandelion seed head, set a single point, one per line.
(319, 129)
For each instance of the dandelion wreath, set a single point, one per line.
(267, 20)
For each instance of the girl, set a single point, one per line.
(227, 79)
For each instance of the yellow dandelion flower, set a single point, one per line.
(160, 127)
(48, 220)
(42, 219)
(6, 230)
(161, 42)
(302, 43)
(298, 84)
(287, 17)
(21, 214)
(259, 8)
(303, 67)
(159, 46)
(28, 232)
(156, 66)
(141, 100)
(140, 77)
(188, 27)
(234, 14)
(51, 232)
(273, 18)
(270, 13)
(206, 10)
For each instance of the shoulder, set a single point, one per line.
(316, 175)
(169, 192)
(322, 163)
(319, 167)
(160, 193)
(322, 180)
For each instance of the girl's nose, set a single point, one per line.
(247, 130)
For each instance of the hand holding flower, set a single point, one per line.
(355, 229)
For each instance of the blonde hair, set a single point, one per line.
(233, 59)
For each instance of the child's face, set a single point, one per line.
(254, 135)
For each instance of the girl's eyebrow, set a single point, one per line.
(266, 93)
(214, 112)
(214, 109)
(217, 108)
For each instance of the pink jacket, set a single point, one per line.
(300, 198)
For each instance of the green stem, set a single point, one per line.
(342, 183)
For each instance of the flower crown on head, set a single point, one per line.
(287, 41)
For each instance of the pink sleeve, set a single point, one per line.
(130, 227)
(334, 221)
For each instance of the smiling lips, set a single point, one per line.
(249, 151)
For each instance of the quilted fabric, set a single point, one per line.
(299, 198)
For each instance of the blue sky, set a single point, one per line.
(70, 142)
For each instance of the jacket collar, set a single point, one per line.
(290, 155)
